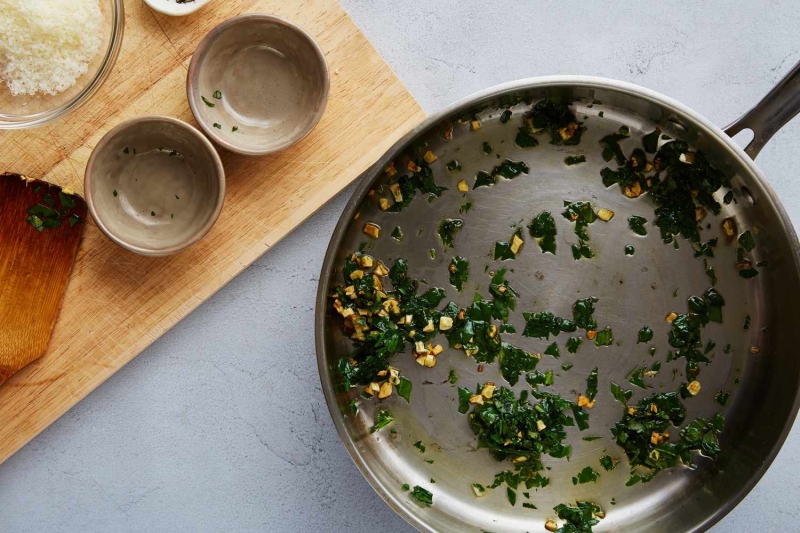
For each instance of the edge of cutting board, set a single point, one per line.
(116, 303)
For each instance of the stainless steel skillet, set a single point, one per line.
(633, 291)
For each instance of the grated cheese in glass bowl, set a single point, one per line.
(54, 56)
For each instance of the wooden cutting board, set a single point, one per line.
(118, 303)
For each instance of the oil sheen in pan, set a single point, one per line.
(633, 291)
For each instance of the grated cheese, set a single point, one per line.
(46, 45)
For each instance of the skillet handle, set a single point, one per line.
(777, 108)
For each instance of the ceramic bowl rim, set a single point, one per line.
(200, 54)
(204, 144)
(176, 10)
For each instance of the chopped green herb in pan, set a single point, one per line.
(578, 519)
(554, 116)
(483, 179)
(553, 350)
(505, 250)
(573, 343)
(636, 223)
(382, 419)
(608, 462)
(422, 496)
(448, 230)
(543, 229)
(574, 160)
(587, 475)
(397, 234)
(459, 272)
(543, 324)
(509, 169)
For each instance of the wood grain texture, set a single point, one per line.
(118, 303)
(34, 267)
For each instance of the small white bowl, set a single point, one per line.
(174, 9)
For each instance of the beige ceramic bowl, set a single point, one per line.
(257, 84)
(154, 185)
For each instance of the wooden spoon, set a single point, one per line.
(40, 229)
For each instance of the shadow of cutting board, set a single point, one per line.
(118, 303)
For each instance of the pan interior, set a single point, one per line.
(632, 291)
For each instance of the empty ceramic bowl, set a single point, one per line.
(257, 84)
(154, 185)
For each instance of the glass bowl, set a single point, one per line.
(25, 111)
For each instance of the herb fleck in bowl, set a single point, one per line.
(154, 185)
(257, 84)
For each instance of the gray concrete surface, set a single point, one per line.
(221, 425)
